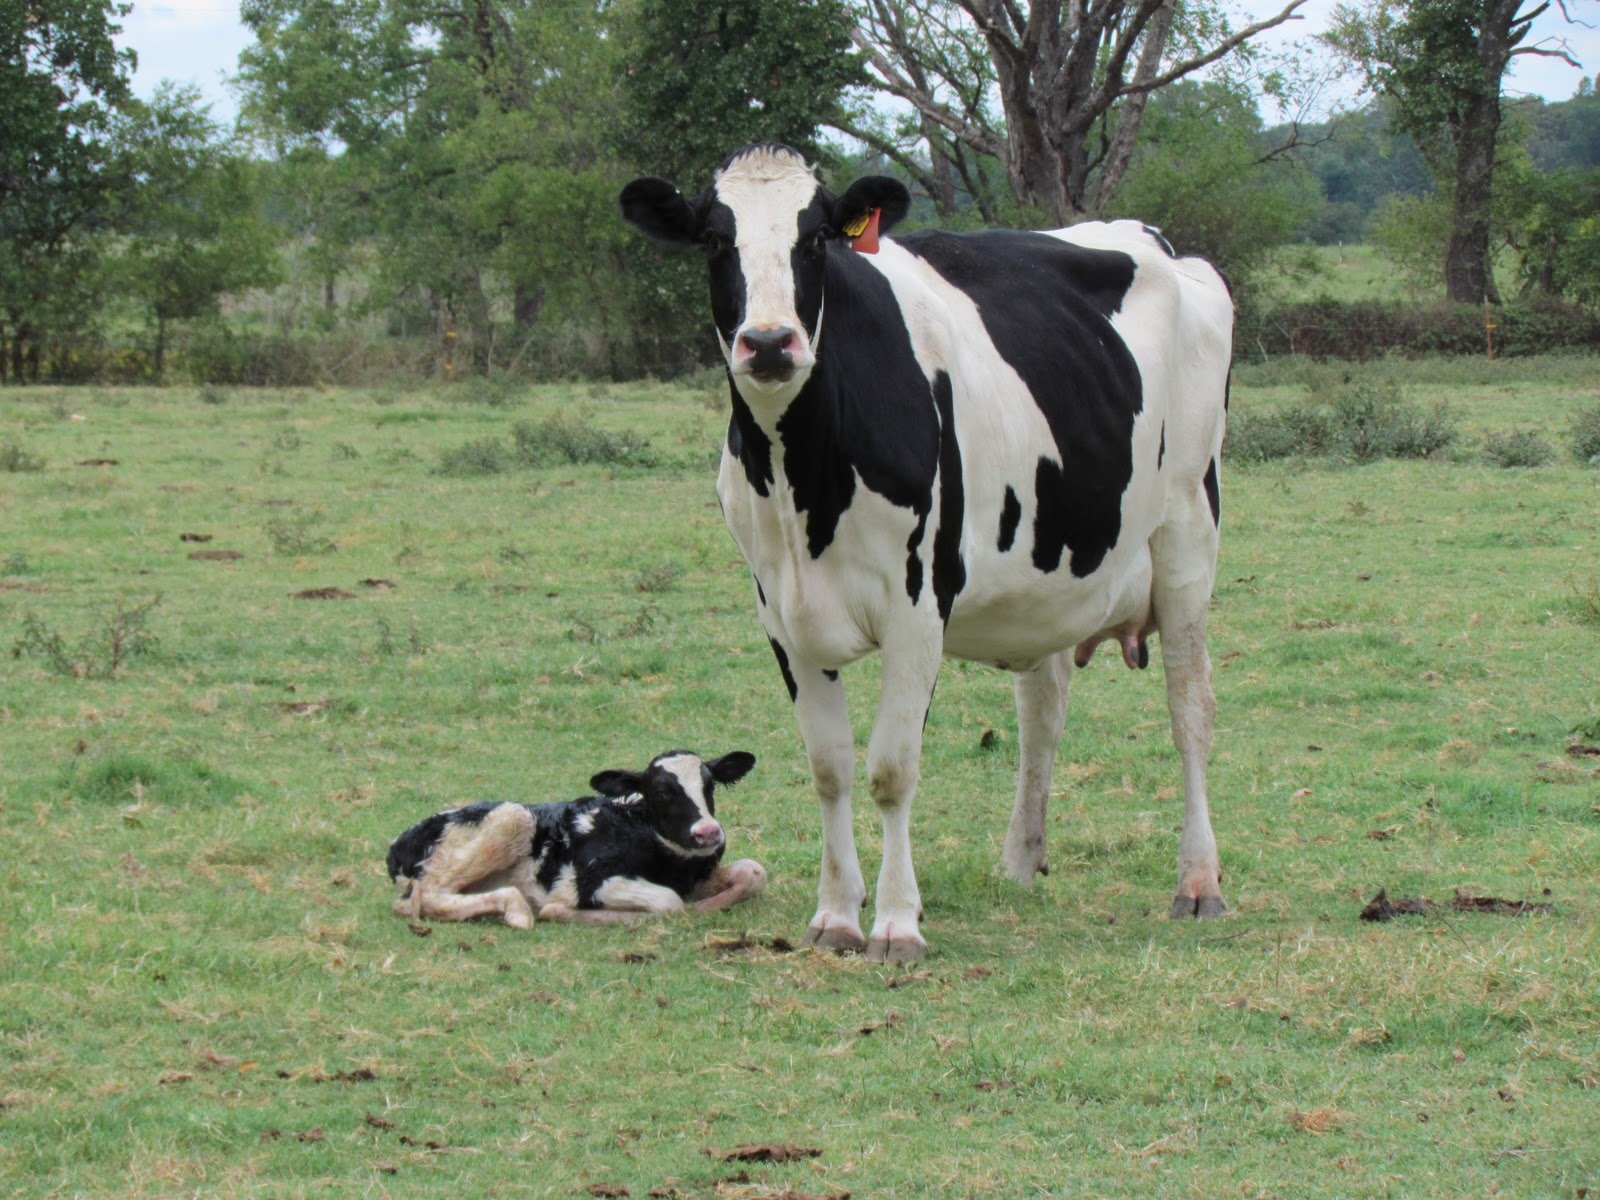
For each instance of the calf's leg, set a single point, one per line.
(730, 884)
(1184, 550)
(1041, 716)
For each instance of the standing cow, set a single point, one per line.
(999, 446)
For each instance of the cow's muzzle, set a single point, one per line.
(706, 834)
(767, 352)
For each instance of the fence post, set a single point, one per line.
(1488, 328)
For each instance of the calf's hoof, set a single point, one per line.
(518, 915)
(846, 939)
(1198, 906)
(897, 948)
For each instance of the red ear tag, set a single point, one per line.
(866, 242)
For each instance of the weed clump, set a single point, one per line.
(1585, 435)
(15, 458)
(1364, 423)
(120, 778)
(297, 535)
(1519, 448)
(487, 456)
(118, 634)
(562, 439)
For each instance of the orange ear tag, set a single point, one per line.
(864, 233)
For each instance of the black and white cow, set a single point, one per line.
(647, 843)
(999, 446)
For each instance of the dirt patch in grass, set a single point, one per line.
(216, 555)
(323, 593)
(195, 537)
(1382, 908)
(774, 1152)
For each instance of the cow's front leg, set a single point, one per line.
(1041, 716)
(730, 884)
(824, 718)
(910, 670)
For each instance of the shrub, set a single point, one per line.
(486, 456)
(1365, 423)
(566, 440)
(15, 458)
(1585, 435)
(1364, 329)
(1519, 448)
(297, 535)
(118, 633)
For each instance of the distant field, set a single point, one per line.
(202, 991)
(1360, 272)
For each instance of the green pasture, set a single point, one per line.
(203, 993)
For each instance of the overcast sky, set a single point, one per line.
(198, 41)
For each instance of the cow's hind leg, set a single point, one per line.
(1041, 716)
(1184, 550)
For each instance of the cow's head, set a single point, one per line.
(678, 791)
(766, 227)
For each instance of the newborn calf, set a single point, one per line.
(647, 843)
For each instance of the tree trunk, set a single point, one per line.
(527, 301)
(1467, 275)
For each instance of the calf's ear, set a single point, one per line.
(617, 783)
(731, 768)
(888, 196)
(659, 211)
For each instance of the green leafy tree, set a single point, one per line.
(61, 80)
(1443, 64)
(1205, 174)
(190, 224)
(1552, 222)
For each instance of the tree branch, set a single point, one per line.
(1221, 49)
(897, 84)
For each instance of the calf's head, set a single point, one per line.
(678, 790)
(766, 227)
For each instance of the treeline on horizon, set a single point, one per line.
(410, 193)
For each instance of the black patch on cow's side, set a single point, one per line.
(1046, 304)
(866, 411)
(1213, 493)
(1161, 454)
(1010, 518)
(783, 665)
(830, 676)
(914, 559)
(949, 569)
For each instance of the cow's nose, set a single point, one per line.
(768, 349)
(706, 833)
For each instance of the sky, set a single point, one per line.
(198, 42)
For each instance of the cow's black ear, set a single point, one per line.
(617, 783)
(659, 211)
(887, 195)
(731, 768)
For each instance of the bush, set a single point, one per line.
(15, 458)
(564, 440)
(1364, 329)
(1585, 436)
(486, 456)
(1519, 448)
(1364, 423)
(116, 635)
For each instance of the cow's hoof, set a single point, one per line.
(1198, 906)
(897, 949)
(846, 939)
(519, 918)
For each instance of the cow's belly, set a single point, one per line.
(1035, 615)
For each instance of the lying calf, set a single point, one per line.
(648, 842)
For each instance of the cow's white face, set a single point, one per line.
(767, 228)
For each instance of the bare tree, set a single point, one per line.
(1071, 77)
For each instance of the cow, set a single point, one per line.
(999, 446)
(647, 843)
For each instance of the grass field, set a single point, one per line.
(202, 991)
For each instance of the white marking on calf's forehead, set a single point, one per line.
(686, 769)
